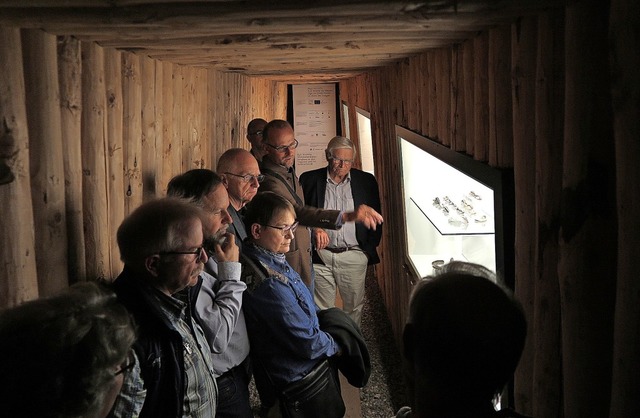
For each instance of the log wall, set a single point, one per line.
(536, 96)
(103, 131)
(528, 96)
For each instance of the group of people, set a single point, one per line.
(234, 275)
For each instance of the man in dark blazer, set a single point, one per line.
(341, 257)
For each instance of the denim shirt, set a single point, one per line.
(282, 320)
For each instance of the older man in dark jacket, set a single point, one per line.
(341, 257)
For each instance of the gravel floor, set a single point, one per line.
(384, 394)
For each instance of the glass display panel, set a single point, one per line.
(452, 207)
(364, 137)
(345, 119)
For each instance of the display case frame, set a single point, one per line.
(497, 180)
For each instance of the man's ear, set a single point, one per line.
(327, 155)
(152, 264)
(225, 180)
(255, 231)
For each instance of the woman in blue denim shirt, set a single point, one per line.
(286, 340)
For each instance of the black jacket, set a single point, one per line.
(159, 348)
(354, 361)
(364, 188)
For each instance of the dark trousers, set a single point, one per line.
(233, 394)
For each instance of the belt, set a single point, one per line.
(338, 250)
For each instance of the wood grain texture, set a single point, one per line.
(46, 159)
(18, 275)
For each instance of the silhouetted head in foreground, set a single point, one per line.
(462, 342)
(64, 356)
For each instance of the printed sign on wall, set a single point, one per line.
(314, 122)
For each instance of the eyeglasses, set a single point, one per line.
(283, 148)
(197, 252)
(285, 229)
(258, 133)
(130, 363)
(337, 160)
(248, 177)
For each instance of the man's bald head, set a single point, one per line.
(240, 174)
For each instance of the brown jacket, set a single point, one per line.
(299, 255)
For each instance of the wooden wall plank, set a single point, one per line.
(148, 138)
(481, 97)
(423, 91)
(523, 51)
(214, 105)
(46, 159)
(625, 14)
(443, 93)
(588, 250)
(204, 153)
(458, 123)
(70, 80)
(18, 276)
(469, 95)
(94, 180)
(170, 153)
(177, 146)
(407, 94)
(132, 131)
(158, 104)
(432, 95)
(549, 119)
(115, 151)
(500, 114)
(186, 116)
(416, 88)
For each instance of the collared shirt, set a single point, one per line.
(201, 391)
(132, 393)
(339, 196)
(282, 321)
(219, 307)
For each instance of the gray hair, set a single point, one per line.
(155, 226)
(194, 185)
(340, 142)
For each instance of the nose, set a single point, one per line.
(226, 219)
(289, 234)
(203, 257)
(254, 182)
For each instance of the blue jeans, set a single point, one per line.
(233, 394)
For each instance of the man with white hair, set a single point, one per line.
(341, 256)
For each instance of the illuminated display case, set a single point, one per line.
(455, 208)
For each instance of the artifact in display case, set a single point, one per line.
(455, 208)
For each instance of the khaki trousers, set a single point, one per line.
(345, 271)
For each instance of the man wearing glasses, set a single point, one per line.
(341, 257)
(280, 177)
(219, 291)
(241, 176)
(254, 135)
(161, 245)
